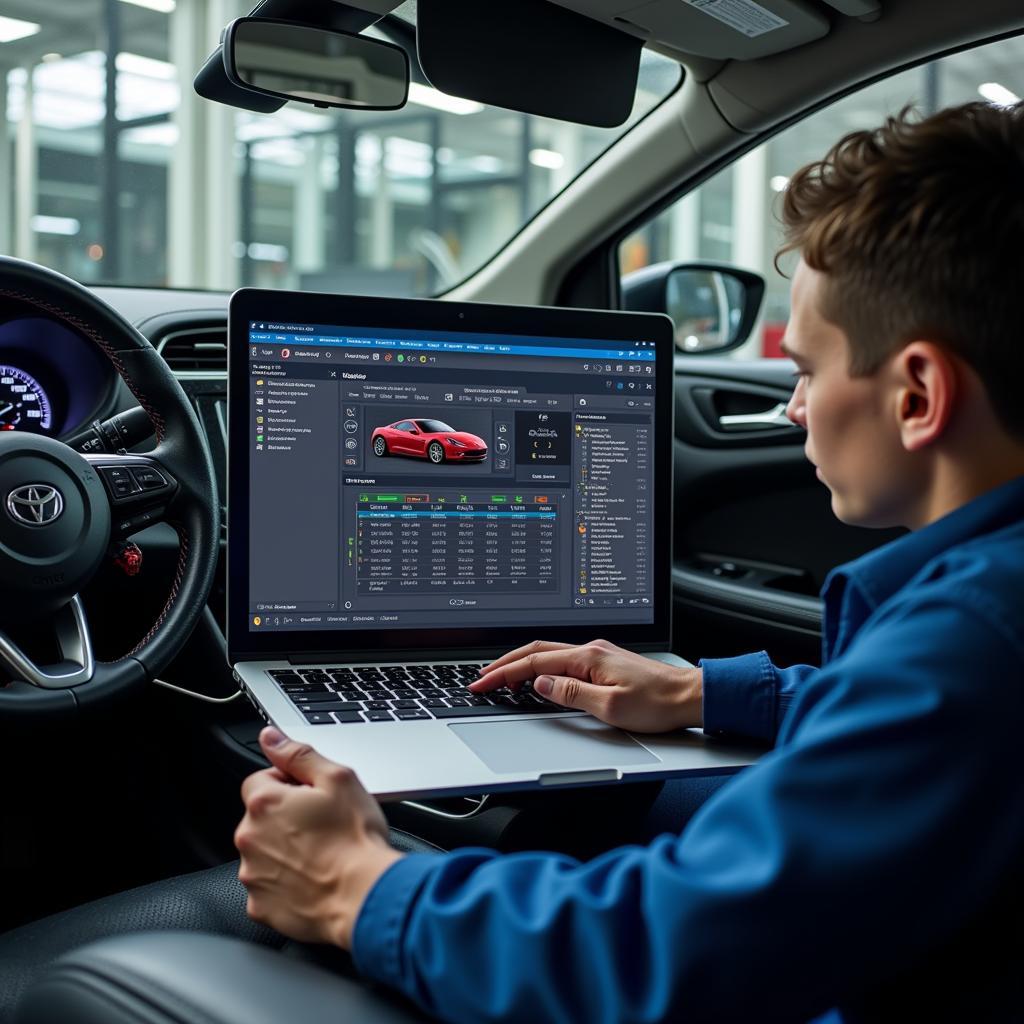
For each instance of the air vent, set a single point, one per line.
(197, 349)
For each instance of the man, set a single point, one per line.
(871, 864)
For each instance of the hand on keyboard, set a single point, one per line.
(617, 686)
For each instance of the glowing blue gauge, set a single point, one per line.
(24, 405)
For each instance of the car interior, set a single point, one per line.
(124, 731)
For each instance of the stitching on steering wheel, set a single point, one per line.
(179, 575)
(104, 345)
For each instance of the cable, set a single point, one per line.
(199, 696)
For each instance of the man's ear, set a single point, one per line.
(928, 386)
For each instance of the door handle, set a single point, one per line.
(774, 417)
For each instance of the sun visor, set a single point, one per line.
(721, 29)
(532, 56)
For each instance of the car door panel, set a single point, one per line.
(753, 529)
(721, 413)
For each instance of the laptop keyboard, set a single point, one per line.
(402, 693)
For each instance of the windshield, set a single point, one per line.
(434, 427)
(164, 189)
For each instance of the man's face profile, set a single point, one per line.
(852, 436)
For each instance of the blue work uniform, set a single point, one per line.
(869, 867)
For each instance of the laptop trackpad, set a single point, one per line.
(551, 744)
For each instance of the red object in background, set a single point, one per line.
(770, 339)
(129, 559)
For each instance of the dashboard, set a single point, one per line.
(53, 381)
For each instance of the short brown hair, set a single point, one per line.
(919, 226)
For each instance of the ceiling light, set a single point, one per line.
(998, 94)
(546, 158)
(153, 135)
(778, 183)
(411, 148)
(407, 167)
(13, 28)
(162, 6)
(50, 58)
(256, 131)
(305, 120)
(146, 67)
(428, 97)
(269, 253)
(55, 225)
(284, 151)
(485, 163)
(66, 112)
(368, 149)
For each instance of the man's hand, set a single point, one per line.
(617, 686)
(313, 843)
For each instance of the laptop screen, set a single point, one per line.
(445, 480)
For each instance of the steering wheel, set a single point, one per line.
(60, 510)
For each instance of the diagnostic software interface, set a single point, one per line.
(430, 480)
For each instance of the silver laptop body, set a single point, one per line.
(415, 487)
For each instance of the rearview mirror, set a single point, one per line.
(713, 307)
(315, 65)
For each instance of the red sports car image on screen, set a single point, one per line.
(428, 439)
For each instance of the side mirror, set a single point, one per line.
(314, 65)
(713, 307)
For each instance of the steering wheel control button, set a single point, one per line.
(148, 478)
(120, 482)
(140, 521)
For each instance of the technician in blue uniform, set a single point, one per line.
(871, 866)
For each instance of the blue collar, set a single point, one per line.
(854, 590)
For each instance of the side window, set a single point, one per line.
(732, 217)
(404, 425)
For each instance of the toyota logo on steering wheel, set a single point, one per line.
(35, 504)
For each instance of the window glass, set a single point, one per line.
(164, 188)
(733, 217)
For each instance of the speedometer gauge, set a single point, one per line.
(24, 405)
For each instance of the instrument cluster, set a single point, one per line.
(52, 380)
(24, 403)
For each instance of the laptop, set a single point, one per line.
(416, 487)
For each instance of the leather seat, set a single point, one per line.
(185, 978)
(210, 901)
